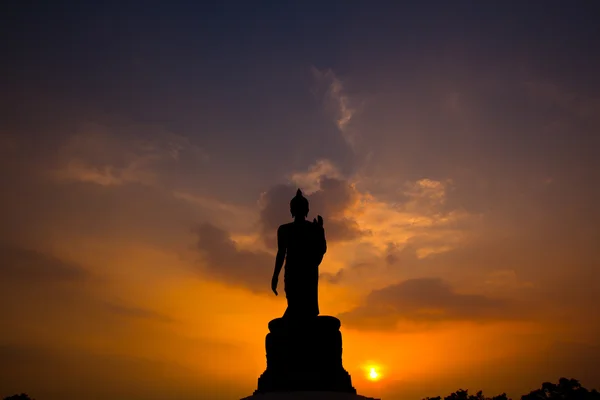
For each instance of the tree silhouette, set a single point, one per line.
(566, 389)
(21, 396)
(464, 395)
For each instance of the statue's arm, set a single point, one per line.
(281, 249)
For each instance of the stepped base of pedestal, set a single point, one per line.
(310, 379)
(307, 396)
(305, 355)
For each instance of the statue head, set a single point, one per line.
(299, 205)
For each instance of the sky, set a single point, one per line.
(149, 150)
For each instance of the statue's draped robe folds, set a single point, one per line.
(304, 245)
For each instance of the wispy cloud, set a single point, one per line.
(387, 236)
(332, 200)
(214, 204)
(418, 217)
(136, 312)
(506, 279)
(30, 266)
(111, 156)
(309, 181)
(107, 175)
(337, 101)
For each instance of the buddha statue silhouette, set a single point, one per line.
(302, 245)
(303, 348)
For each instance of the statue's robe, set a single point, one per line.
(304, 245)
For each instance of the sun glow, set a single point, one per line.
(373, 374)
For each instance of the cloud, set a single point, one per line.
(226, 262)
(107, 175)
(61, 371)
(395, 255)
(425, 195)
(419, 216)
(389, 235)
(29, 266)
(275, 210)
(334, 197)
(136, 312)
(332, 278)
(213, 204)
(424, 300)
(332, 200)
(110, 155)
(344, 229)
(336, 101)
(231, 216)
(310, 181)
(507, 279)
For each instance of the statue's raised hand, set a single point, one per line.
(318, 221)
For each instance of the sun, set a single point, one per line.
(373, 374)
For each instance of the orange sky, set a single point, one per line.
(122, 288)
(143, 188)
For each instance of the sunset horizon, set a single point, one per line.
(149, 153)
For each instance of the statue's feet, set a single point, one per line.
(320, 322)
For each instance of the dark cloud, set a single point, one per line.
(136, 312)
(37, 207)
(400, 256)
(29, 266)
(226, 262)
(424, 300)
(332, 278)
(67, 372)
(275, 211)
(330, 201)
(333, 197)
(343, 229)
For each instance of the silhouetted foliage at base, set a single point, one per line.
(21, 396)
(566, 389)
(464, 395)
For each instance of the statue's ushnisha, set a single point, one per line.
(301, 244)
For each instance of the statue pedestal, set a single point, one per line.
(305, 356)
